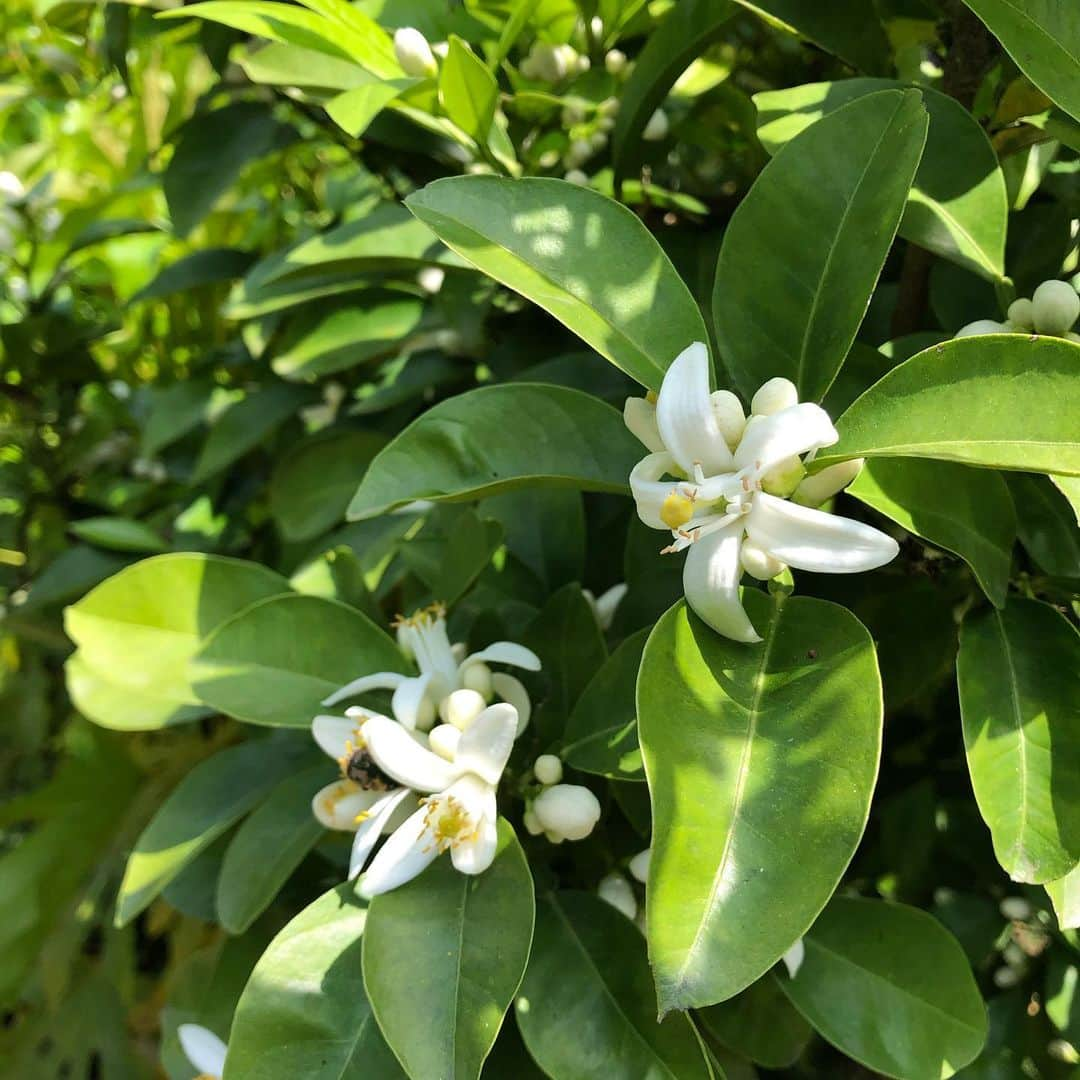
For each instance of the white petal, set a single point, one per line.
(649, 490)
(485, 746)
(639, 415)
(685, 417)
(399, 755)
(407, 853)
(813, 540)
(513, 692)
(381, 680)
(505, 652)
(607, 603)
(796, 430)
(372, 827)
(338, 805)
(475, 855)
(408, 699)
(711, 583)
(336, 735)
(204, 1049)
(794, 957)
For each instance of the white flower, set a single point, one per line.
(657, 127)
(566, 812)
(204, 1050)
(794, 957)
(619, 893)
(729, 504)
(460, 816)
(414, 53)
(418, 700)
(606, 604)
(547, 769)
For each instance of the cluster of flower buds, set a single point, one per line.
(588, 132)
(553, 63)
(1052, 310)
(561, 811)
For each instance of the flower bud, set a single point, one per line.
(425, 714)
(477, 676)
(606, 123)
(441, 49)
(582, 64)
(776, 394)
(576, 176)
(1022, 314)
(548, 159)
(639, 865)
(784, 477)
(980, 326)
(1056, 308)
(532, 823)
(431, 279)
(548, 769)
(608, 107)
(615, 62)
(619, 893)
(730, 417)
(567, 810)
(443, 740)
(461, 708)
(657, 127)
(598, 140)
(1006, 977)
(549, 63)
(1015, 907)
(578, 152)
(572, 114)
(815, 489)
(758, 563)
(414, 53)
(11, 187)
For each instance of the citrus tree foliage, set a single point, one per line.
(336, 333)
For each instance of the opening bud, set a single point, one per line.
(730, 418)
(461, 708)
(776, 394)
(815, 489)
(443, 740)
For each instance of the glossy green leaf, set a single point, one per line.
(1003, 401)
(1065, 896)
(140, 628)
(552, 242)
(304, 1011)
(588, 965)
(72, 574)
(803, 250)
(1018, 672)
(468, 92)
(889, 986)
(1047, 524)
(119, 534)
(1069, 486)
(461, 972)
(176, 410)
(957, 207)
(451, 551)
(964, 510)
(275, 661)
(313, 481)
(545, 529)
(279, 64)
(497, 438)
(743, 745)
(601, 734)
(1043, 37)
(357, 107)
(210, 266)
(212, 796)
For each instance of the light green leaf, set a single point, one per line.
(554, 243)
(140, 628)
(275, 661)
(803, 250)
(118, 534)
(751, 824)
(304, 1011)
(1018, 672)
(964, 510)
(280, 64)
(889, 986)
(1069, 486)
(462, 972)
(213, 796)
(176, 410)
(355, 109)
(588, 965)
(468, 92)
(1047, 524)
(1065, 896)
(451, 551)
(957, 207)
(497, 438)
(1003, 401)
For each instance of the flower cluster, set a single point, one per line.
(735, 491)
(1052, 310)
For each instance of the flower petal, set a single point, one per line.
(685, 417)
(605, 605)
(371, 828)
(711, 583)
(504, 652)
(485, 746)
(407, 699)
(407, 853)
(475, 855)
(649, 490)
(513, 692)
(338, 805)
(397, 753)
(381, 680)
(813, 540)
(639, 415)
(795, 430)
(204, 1049)
(335, 735)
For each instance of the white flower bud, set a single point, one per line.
(608, 107)
(11, 187)
(548, 159)
(414, 53)
(443, 740)
(596, 25)
(815, 489)
(615, 62)
(730, 418)
(425, 714)
(567, 810)
(771, 397)
(431, 279)
(1022, 314)
(1015, 907)
(758, 563)
(1056, 308)
(784, 477)
(1006, 977)
(548, 769)
(657, 127)
(582, 64)
(572, 114)
(441, 49)
(606, 123)
(461, 708)
(619, 893)
(579, 152)
(1061, 1050)
(980, 326)
(549, 63)
(477, 676)
(576, 176)
(532, 823)
(598, 140)
(639, 865)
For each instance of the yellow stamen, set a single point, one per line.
(652, 397)
(677, 510)
(423, 617)
(450, 823)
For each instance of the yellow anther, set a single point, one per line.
(676, 511)
(361, 817)
(652, 397)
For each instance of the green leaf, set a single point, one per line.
(687, 30)
(314, 480)
(1047, 524)
(1002, 401)
(743, 748)
(1043, 37)
(118, 534)
(304, 1011)
(1065, 896)
(461, 972)
(588, 967)
(451, 551)
(957, 207)
(468, 92)
(964, 510)
(1018, 672)
(268, 847)
(545, 529)
(357, 107)
(213, 796)
(275, 661)
(1069, 486)
(211, 266)
(889, 986)
(803, 250)
(497, 438)
(176, 410)
(552, 242)
(139, 629)
(601, 734)
(279, 64)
